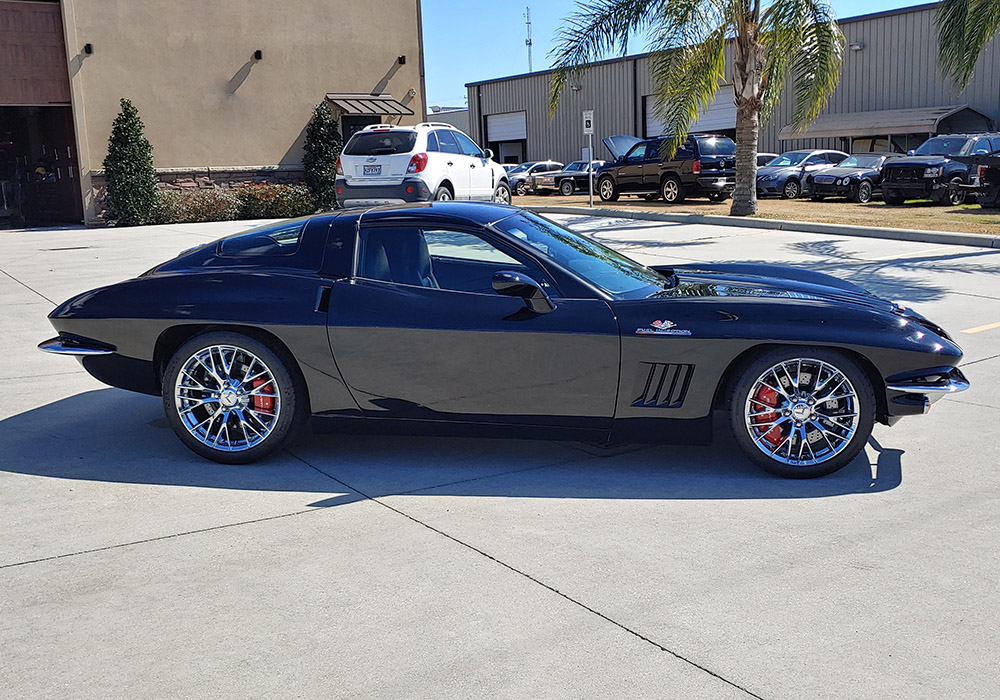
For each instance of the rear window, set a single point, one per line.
(716, 147)
(381, 143)
(278, 239)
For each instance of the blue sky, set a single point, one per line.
(469, 40)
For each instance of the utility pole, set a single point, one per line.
(527, 42)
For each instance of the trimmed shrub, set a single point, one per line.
(319, 158)
(195, 206)
(265, 201)
(274, 201)
(128, 168)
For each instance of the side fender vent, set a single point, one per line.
(659, 385)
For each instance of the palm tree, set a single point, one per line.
(772, 41)
(964, 28)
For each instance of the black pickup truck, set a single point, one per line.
(931, 172)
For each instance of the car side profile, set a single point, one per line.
(485, 319)
(787, 175)
(520, 177)
(857, 178)
(570, 179)
(388, 164)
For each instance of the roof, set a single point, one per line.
(924, 120)
(444, 213)
(364, 103)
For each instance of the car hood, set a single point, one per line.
(777, 170)
(915, 161)
(841, 172)
(619, 145)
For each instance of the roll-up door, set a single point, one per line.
(510, 126)
(720, 115)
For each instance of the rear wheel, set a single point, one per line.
(566, 188)
(607, 189)
(443, 194)
(863, 193)
(791, 190)
(671, 190)
(231, 398)
(892, 197)
(802, 412)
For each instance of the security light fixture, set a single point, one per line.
(401, 60)
(856, 46)
(258, 55)
(88, 49)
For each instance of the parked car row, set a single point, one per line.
(384, 163)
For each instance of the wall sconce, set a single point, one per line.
(401, 60)
(576, 87)
(856, 46)
(258, 55)
(88, 49)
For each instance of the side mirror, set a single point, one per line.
(514, 284)
(489, 154)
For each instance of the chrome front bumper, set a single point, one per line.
(75, 347)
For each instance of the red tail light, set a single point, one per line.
(982, 172)
(417, 163)
(696, 167)
(340, 168)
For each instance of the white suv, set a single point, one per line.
(387, 164)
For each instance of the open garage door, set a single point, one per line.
(720, 116)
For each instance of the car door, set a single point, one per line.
(456, 166)
(419, 333)
(480, 173)
(651, 167)
(630, 174)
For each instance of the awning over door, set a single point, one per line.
(885, 122)
(363, 103)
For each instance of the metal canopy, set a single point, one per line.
(924, 120)
(363, 103)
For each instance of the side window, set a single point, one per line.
(637, 153)
(468, 147)
(448, 142)
(995, 144)
(815, 160)
(458, 245)
(653, 150)
(834, 157)
(685, 151)
(280, 239)
(432, 142)
(982, 147)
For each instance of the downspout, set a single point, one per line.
(635, 101)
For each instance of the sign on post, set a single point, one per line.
(588, 131)
(588, 122)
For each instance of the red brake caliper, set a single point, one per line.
(264, 401)
(769, 397)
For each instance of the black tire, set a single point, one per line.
(892, 197)
(651, 197)
(444, 194)
(954, 195)
(607, 189)
(718, 197)
(818, 197)
(290, 399)
(672, 190)
(847, 450)
(863, 192)
(566, 188)
(502, 193)
(521, 188)
(792, 189)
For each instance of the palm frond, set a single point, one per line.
(597, 28)
(964, 29)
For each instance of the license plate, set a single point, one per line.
(373, 170)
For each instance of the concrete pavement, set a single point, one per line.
(359, 566)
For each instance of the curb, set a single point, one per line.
(899, 234)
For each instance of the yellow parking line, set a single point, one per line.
(980, 329)
(916, 254)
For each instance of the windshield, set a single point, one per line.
(944, 147)
(380, 143)
(576, 165)
(861, 162)
(604, 268)
(521, 168)
(716, 147)
(793, 158)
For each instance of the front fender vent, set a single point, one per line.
(660, 385)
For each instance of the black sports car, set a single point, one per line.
(485, 319)
(857, 177)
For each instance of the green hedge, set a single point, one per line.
(250, 202)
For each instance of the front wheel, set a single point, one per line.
(954, 195)
(892, 197)
(863, 194)
(802, 412)
(791, 190)
(501, 194)
(231, 398)
(607, 190)
(521, 188)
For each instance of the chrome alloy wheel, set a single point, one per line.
(802, 412)
(607, 189)
(227, 398)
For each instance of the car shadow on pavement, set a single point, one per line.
(114, 436)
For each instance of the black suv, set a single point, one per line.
(930, 173)
(703, 166)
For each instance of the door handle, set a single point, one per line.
(450, 163)
(472, 165)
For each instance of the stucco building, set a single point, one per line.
(225, 88)
(890, 96)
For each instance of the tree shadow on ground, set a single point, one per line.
(113, 436)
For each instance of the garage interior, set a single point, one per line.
(39, 175)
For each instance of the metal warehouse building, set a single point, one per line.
(891, 96)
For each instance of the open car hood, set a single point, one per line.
(619, 145)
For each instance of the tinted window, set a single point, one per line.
(684, 152)
(466, 144)
(376, 143)
(982, 147)
(716, 147)
(786, 159)
(576, 165)
(996, 144)
(862, 161)
(523, 167)
(448, 142)
(835, 158)
(432, 143)
(637, 153)
(816, 160)
(278, 239)
(945, 146)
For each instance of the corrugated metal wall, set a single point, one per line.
(897, 69)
